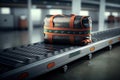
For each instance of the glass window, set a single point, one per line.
(84, 13)
(36, 14)
(107, 14)
(55, 11)
(5, 10)
(115, 14)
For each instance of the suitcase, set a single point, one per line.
(67, 29)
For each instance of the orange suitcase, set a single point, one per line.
(67, 29)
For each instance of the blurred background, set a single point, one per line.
(21, 21)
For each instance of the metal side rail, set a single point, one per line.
(28, 61)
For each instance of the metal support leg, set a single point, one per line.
(90, 56)
(89, 63)
(65, 68)
(110, 47)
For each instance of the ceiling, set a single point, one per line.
(113, 1)
(37, 1)
(63, 4)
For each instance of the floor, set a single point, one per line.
(105, 64)
(16, 38)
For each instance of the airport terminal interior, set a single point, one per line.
(22, 30)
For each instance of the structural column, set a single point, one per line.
(76, 7)
(30, 25)
(101, 15)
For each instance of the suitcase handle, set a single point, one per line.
(71, 24)
(51, 20)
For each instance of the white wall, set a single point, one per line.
(39, 19)
(43, 14)
(67, 12)
(17, 12)
(37, 15)
(6, 21)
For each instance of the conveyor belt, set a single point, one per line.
(29, 54)
(31, 58)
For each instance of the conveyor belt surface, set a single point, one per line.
(97, 36)
(17, 57)
(28, 54)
